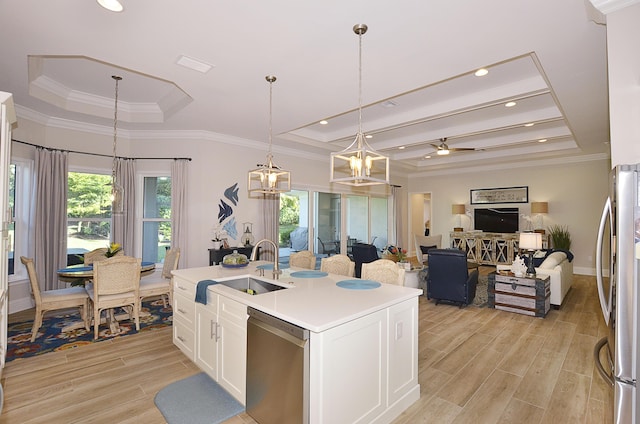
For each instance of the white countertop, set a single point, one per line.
(316, 304)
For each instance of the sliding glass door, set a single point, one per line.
(327, 223)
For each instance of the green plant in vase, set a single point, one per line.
(560, 237)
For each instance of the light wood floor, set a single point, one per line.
(476, 365)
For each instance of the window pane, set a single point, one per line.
(357, 218)
(294, 213)
(157, 197)
(379, 222)
(88, 213)
(327, 223)
(156, 221)
(156, 240)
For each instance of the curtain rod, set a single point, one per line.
(92, 154)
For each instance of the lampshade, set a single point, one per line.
(539, 207)
(359, 164)
(530, 241)
(458, 210)
(269, 178)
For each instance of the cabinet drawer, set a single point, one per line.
(233, 311)
(184, 288)
(184, 338)
(184, 309)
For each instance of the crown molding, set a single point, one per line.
(608, 6)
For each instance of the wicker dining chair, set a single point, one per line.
(116, 282)
(383, 271)
(160, 285)
(50, 300)
(303, 259)
(338, 264)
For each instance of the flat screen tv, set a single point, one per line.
(496, 220)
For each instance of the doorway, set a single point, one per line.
(420, 212)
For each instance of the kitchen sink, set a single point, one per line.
(251, 285)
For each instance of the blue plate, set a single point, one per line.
(358, 284)
(235, 265)
(309, 274)
(270, 266)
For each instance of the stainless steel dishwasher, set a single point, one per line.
(277, 370)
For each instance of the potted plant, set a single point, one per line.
(560, 237)
(217, 240)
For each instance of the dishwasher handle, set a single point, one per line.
(276, 332)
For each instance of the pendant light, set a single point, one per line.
(359, 164)
(269, 178)
(117, 192)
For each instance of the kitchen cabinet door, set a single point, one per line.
(232, 348)
(208, 329)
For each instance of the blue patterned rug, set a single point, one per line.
(50, 338)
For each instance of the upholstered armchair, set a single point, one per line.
(363, 253)
(449, 279)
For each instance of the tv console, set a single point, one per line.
(489, 248)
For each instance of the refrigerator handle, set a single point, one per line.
(605, 303)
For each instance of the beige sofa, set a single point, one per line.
(558, 267)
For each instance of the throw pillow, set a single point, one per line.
(553, 260)
(425, 249)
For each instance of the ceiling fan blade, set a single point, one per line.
(461, 149)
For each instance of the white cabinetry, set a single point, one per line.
(374, 356)
(184, 316)
(221, 342)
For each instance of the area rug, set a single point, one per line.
(51, 338)
(481, 298)
(196, 400)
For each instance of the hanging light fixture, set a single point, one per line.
(117, 192)
(269, 178)
(359, 164)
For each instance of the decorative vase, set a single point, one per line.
(217, 244)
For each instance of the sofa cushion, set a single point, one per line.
(553, 260)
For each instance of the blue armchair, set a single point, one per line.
(449, 279)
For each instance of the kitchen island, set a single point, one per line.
(363, 365)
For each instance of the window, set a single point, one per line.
(156, 218)
(88, 213)
(12, 223)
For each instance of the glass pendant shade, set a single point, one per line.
(269, 178)
(117, 198)
(359, 164)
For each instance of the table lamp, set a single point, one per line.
(458, 211)
(538, 209)
(530, 242)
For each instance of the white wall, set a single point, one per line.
(575, 193)
(623, 38)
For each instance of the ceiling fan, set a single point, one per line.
(444, 149)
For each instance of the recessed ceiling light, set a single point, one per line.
(481, 72)
(428, 157)
(195, 64)
(530, 124)
(323, 122)
(402, 147)
(542, 140)
(112, 5)
(510, 104)
(368, 136)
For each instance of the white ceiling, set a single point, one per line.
(418, 82)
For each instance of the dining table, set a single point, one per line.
(79, 275)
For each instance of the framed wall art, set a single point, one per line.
(500, 195)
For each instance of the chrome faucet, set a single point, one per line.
(276, 265)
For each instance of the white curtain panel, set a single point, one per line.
(123, 230)
(179, 178)
(50, 216)
(270, 223)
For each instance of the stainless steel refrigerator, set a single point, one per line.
(619, 291)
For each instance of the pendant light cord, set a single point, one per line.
(115, 130)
